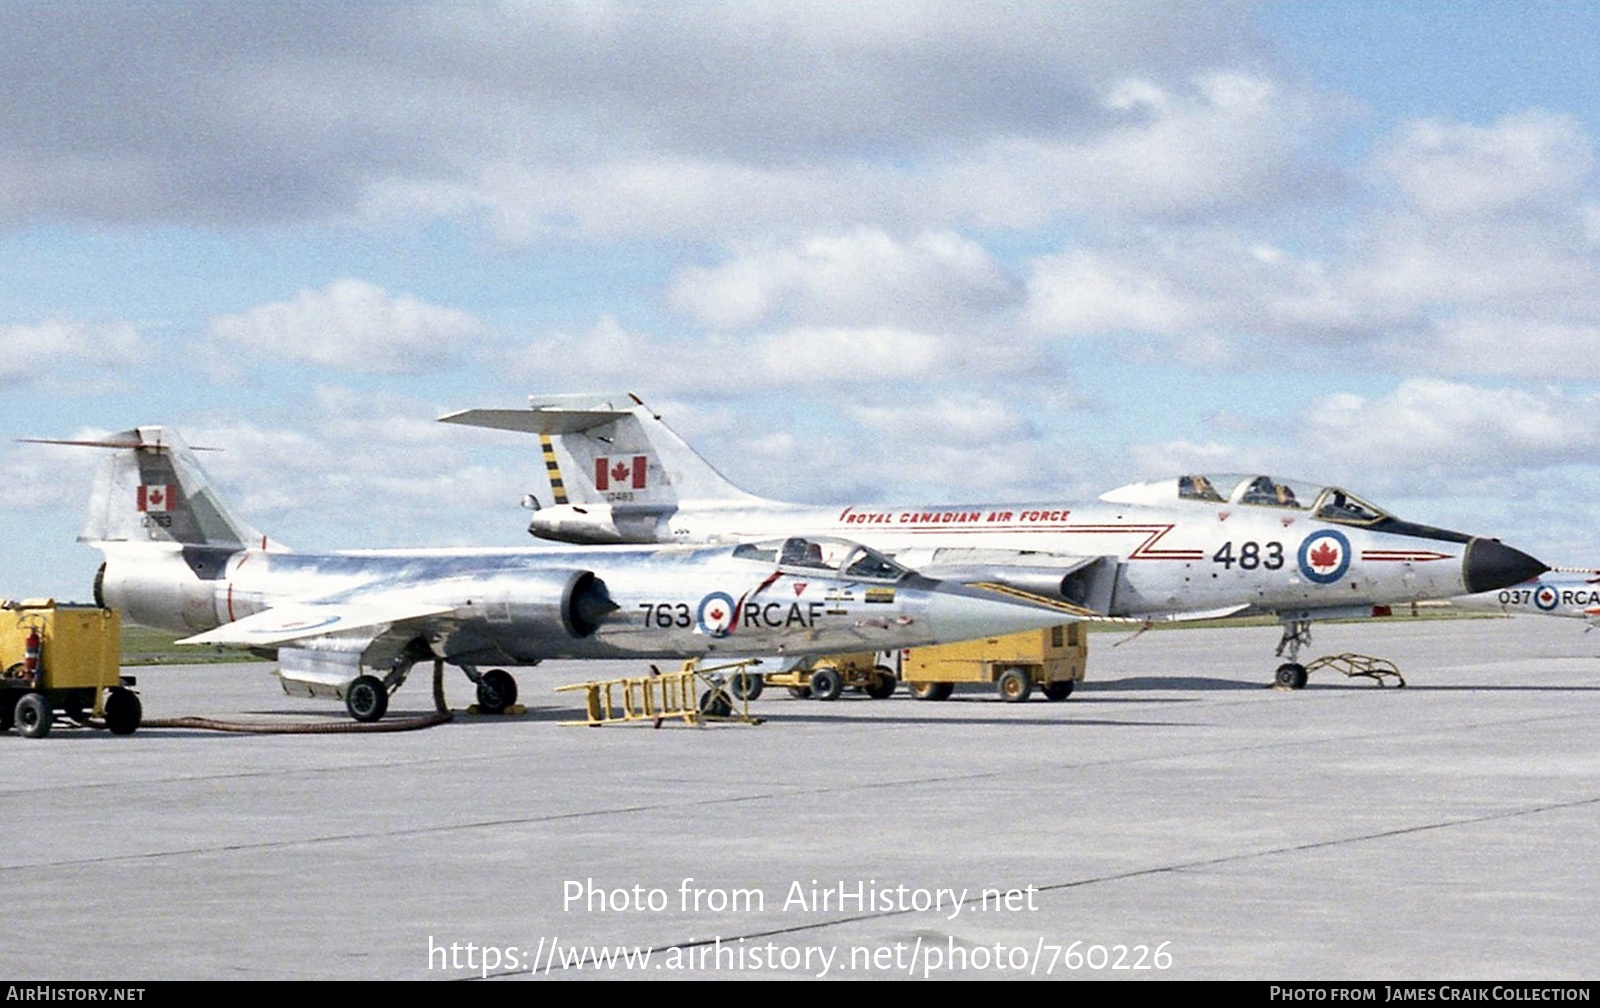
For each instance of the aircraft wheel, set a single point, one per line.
(123, 711)
(366, 699)
(1291, 675)
(800, 692)
(826, 683)
(881, 683)
(1058, 690)
(497, 690)
(715, 703)
(931, 690)
(747, 685)
(34, 716)
(1015, 685)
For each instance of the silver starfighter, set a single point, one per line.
(352, 624)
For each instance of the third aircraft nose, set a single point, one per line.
(1491, 564)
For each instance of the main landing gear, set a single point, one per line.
(1291, 674)
(366, 698)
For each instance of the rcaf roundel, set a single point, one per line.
(1546, 598)
(1324, 556)
(715, 616)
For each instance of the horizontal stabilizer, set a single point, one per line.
(550, 415)
(300, 621)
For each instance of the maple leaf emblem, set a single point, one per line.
(619, 472)
(716, 614)
(154, 497)
(1324, 556)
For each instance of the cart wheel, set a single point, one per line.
(931, 690)
(497, 690)
(124, 712)
(715, 703)
(800, 692)
(826, 683)
(1058, 690)
(34, 716)
(747, 685)
(881, 683)
(365, 698)
(1015, 685)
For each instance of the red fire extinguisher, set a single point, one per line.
(31, 650)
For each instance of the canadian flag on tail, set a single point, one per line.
(155, 497)
(621, 473)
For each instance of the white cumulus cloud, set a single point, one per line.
(351, 324)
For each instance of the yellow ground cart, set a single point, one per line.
(1054, 660)
(63, 659)
(824, 678)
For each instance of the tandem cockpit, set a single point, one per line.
(1327, 503)
(839, 557)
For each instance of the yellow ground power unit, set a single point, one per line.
(1053, 660)
(63, 659)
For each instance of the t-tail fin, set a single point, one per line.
(152, 489)
(610, 450)
(616, 471)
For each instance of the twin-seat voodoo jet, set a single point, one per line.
(1193, 546)
(352, 624)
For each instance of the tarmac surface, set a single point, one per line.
(1175, 818)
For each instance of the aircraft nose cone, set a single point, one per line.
(1491, 564)
(958, 614)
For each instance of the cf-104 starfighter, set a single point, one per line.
(1192, 546)
(1567, 592)
(352, 624)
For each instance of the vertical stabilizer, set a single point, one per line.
(152, 489)
(612, 450)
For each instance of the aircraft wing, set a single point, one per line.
(298, 621)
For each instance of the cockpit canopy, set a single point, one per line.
(1325, 502)
(839, 557)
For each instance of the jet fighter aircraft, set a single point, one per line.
(1574, 594)
(352, 624)
(1195, 546)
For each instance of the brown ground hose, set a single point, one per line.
(440, 715)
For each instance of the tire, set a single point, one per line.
(716, 703)
(1290, 675)
(123, 711)
(826, 683)
(366, 699)
(800, 692)
(747, 685)
(931, 690)
(881, 683)
(1014, 685)
(34, 716)
(497, 690)
(1058, 690)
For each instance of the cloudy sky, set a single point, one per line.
(909, 252)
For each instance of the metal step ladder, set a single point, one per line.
(696, 695)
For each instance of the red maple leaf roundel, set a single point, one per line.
(1324, 556)
(716, 614)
